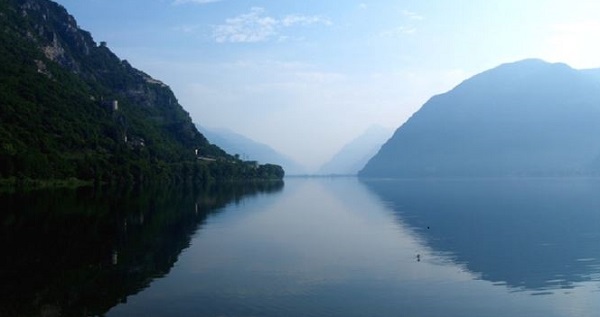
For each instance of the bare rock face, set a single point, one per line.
(54, 52)
(57, 33)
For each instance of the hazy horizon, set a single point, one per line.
(307, 78)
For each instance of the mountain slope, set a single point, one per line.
(354, 155)
(71, 108)
(249, 149)
(593, 72)
(528, 118)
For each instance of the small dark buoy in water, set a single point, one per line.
(427, 227)
(418, 258)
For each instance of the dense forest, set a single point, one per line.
(71, 109)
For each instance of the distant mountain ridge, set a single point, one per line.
(72, 109)
(354, 155)
(528, 118)
(249, 149)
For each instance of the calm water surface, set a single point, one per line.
(327, 247)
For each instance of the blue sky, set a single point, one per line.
(306, 77)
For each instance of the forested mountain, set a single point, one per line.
(354, 155)
(249, 149)
(528, 118)
(70, 108)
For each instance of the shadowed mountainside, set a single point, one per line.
(528, 118)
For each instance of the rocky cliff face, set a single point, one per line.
(529, 118)
(55, 31)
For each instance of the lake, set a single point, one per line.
(309, 247)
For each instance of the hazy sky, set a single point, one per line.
(308, 76)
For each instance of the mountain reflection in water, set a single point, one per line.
(79, 253)
(530, 234)
(319, 247)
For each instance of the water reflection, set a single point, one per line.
(322, 248)
(79, 253)
(539, 235)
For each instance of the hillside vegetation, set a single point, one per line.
(70, 108)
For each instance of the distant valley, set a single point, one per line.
(249, 149)
(354, 155)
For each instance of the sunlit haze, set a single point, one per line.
(307, 77)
